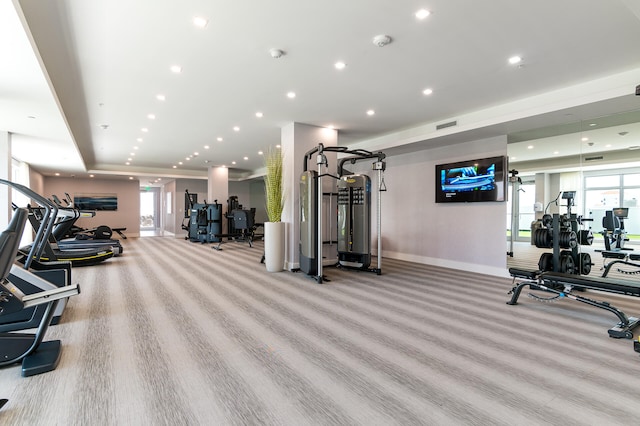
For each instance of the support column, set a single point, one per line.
(296, 140)
(218, 189)
(5, 173)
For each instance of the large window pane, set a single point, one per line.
(597, 202)
(602, 181)
(632, 223)
(631, 180)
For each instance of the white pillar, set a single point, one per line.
(296, 140)
(218, 189)
(5, 173)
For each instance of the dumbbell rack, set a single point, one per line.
(565, 261)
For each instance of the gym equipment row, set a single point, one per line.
(353, 212)
(562, 286)
(52, 251)
(23, 289)
(102, 232)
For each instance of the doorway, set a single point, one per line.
(150, 212)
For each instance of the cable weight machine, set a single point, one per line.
(353, 210)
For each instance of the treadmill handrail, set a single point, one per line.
(46, 226)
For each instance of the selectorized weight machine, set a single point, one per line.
(353, 212)
(201, 221)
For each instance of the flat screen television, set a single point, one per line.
(472, 181)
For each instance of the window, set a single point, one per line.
(604, 193)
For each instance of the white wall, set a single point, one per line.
(469, 236)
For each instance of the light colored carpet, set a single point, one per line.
(175, 333)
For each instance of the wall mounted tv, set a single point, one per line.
(472, 181)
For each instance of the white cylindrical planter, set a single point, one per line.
(274, 246)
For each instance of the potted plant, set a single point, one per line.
(274, 197)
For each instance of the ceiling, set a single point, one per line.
(83, 76)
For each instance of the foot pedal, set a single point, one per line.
(621, 331)
(45, 358)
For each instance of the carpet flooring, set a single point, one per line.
(175, 333)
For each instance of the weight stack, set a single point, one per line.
(308, 222)
(354, 221)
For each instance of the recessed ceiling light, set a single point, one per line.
(140, 140)
(584, 139)
(340, 65)
(180, 163)
(129, 159)
(260, 152)
(57, 174)
(135, 147)
(187, 158)
(144, 129)
(608, 145)
(132, 154)
(427, 91)
(161, 97)
(278, 146)
(233, 162)
(246, 158)
(130, 177)
(291, 95)
(176, 69)
(91, 176)
(219, 139)
(175, 167)
(371, 112)
(127, 163)
(199, 21)
(515, 60)
(206, 147)
(422, 13)
(236, 129)
(592, 124)
(151, 116)
(530, 147)
(556, 152)
(259, 114)
(195, 154)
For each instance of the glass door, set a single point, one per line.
(149, 211)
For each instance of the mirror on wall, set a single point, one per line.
(598, 158)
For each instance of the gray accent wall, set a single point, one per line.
(469, 236)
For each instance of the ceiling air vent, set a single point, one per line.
(445, 125)
(600, 157)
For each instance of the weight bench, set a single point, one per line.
(562, 284)
(619, 257)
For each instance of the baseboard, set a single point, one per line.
(447, 263)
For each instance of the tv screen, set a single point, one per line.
(472, 181)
